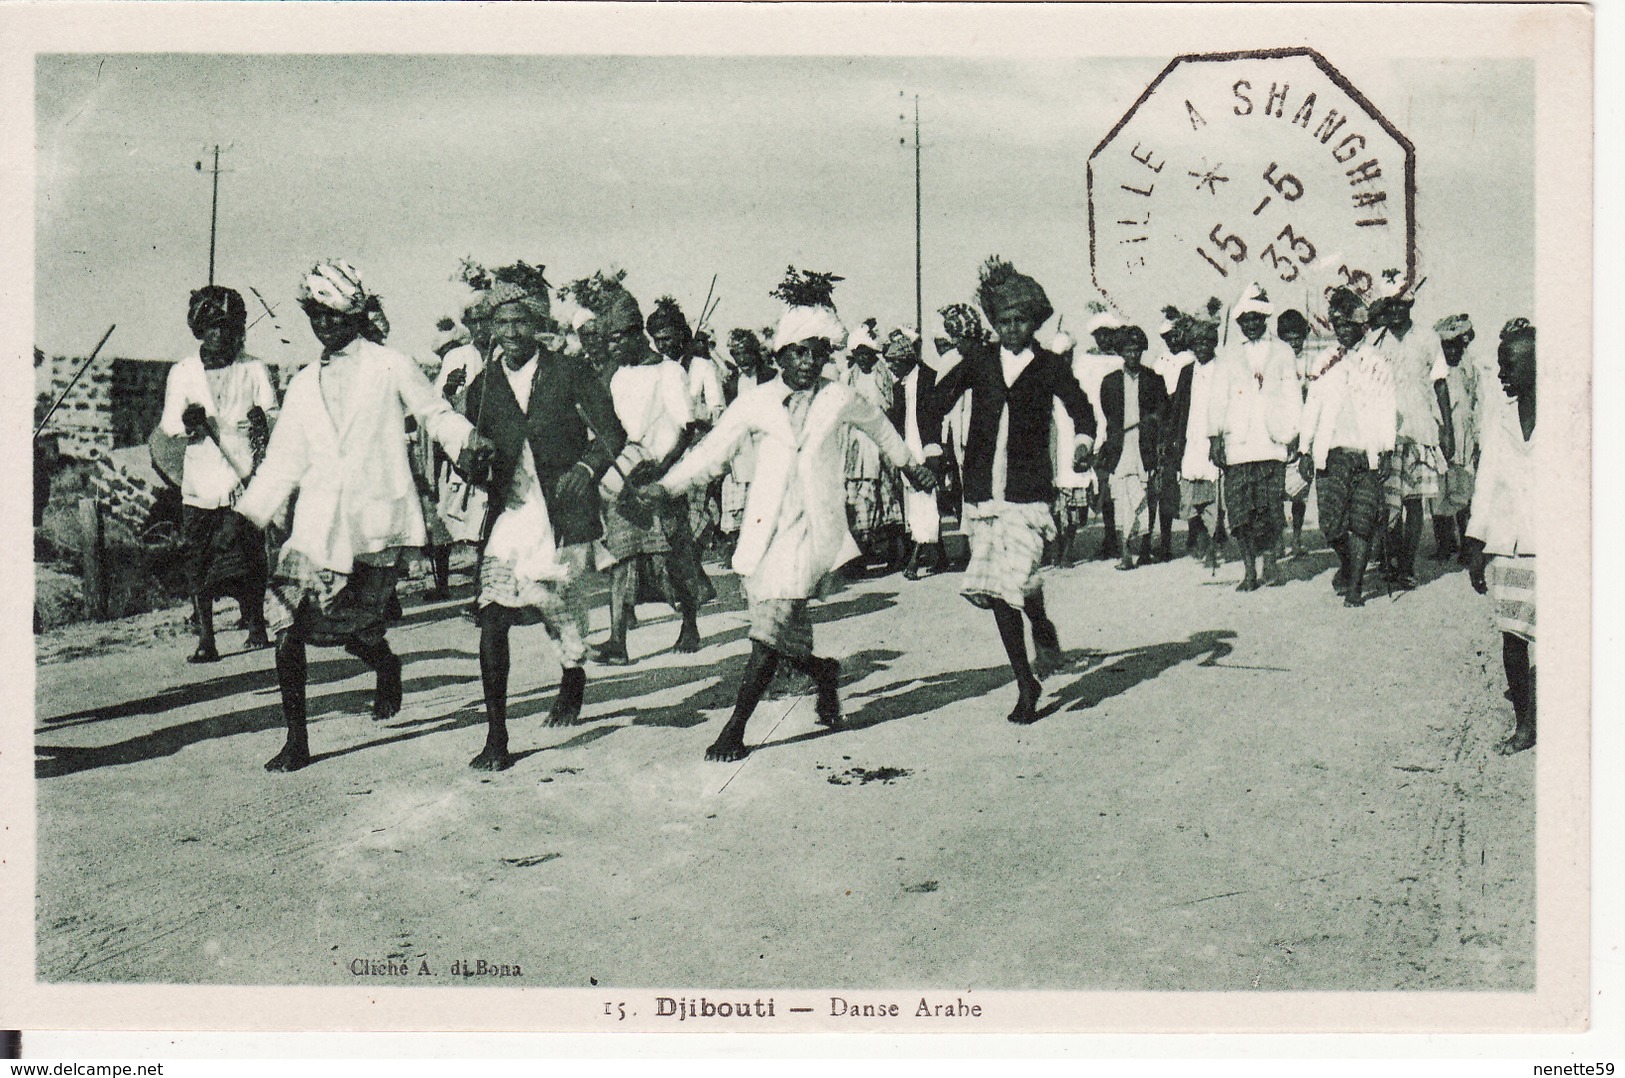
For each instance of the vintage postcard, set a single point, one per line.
(798, 517)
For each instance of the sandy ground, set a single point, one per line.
(1226, 792)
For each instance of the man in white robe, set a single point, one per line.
(340, 442)
(795, 529)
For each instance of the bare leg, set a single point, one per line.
(1340, 579)
(759, 670)
(203, 611)
(1249, 557)
(386, 700)
(623, 597)
(1359, 553)
(1300, 509)
(440, 560)
(1461, 531)
(290, 675)
(494, 659)
(1521, 680)
(1046, 641)
(252, 601)
(1014, 637)
(1269, 542)
(1108, 521)
(826, 677)
(1411, 544)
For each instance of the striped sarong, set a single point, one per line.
(1006, 548)
(1512, 590)
(785, 625)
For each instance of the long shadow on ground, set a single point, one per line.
(911, 697)
(321, 672)
(52, 761)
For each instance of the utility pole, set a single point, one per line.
(214, 207)
(919, 295)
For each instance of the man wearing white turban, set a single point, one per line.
(341, 444)
(795, 529)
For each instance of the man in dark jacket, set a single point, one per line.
(537, 405)
(1131, 455)
(1009, 477)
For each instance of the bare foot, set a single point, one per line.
(291, 758)
(563, 714)
(492, 758)
(688, 640)
(386, 700)
(1025, 712)
(1249, 584)
(727, 748)
(1521, 739)
(1340, 582)
(611, 654)
(204, 655)
(1354, 598)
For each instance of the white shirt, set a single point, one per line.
(652, 403)
(1504, 496)
(1360, 377)
(1197, 465)
(705, 397)
(466, 358)
(1255, 399)
(1417, 362)
(356, 493)
(213, 472)
(794, 530)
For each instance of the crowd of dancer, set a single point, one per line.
(810, 451)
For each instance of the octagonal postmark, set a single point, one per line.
(1234, 168)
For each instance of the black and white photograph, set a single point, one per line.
(794, 518)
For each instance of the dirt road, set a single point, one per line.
(1227, 792)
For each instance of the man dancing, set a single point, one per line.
(1009, 477)
(652, 404)
(341, 443)
(537, 407)
(795, 532)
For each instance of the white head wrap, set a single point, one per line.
(1103, 320)
(860, 337)
(336, 285)
(1252, 302)
(807, 323)
(581, 318)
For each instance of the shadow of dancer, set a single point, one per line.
(1138, 665)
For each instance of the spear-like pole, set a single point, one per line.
(72, 381)
(919, 293)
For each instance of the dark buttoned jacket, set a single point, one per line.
(1153, 398)
(570, 420)
(1030, 475)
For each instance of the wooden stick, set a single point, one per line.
(74, 380)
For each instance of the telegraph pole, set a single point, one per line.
(214, 207)
(919, 295)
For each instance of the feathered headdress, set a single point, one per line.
(472, 274)
(1000, 287)
(806, 288)
(531, 278)
(811, 299)
(593, 293)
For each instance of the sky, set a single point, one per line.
(673, 168)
